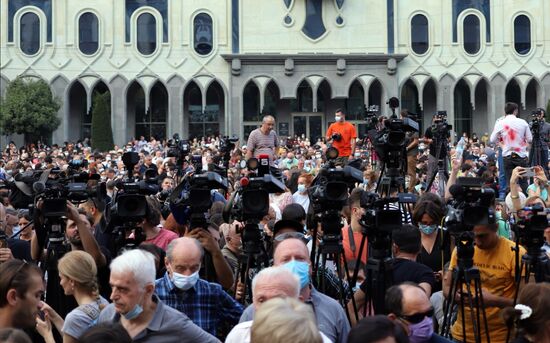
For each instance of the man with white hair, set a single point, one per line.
(292, 253)
(269, 283)
(139, 310)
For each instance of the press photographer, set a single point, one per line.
(483, 256)
(437, 136)
(540, 129)
(342, 135)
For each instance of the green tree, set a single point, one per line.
(29, 108)
(102, 134)
(548, 111)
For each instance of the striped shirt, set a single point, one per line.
(260, 143)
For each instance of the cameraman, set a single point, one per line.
(78, 234)
(432, 136)
(342, 135)
(494, 256)
(539, 124)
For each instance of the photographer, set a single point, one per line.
(495, 258)
(342, 136)
(540, 130)
(433, 137)
(78, 234)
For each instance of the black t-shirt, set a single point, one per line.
(407, 270)
(20, 249)
(433, 148)
(441, 253)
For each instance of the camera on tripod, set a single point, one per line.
(440, 127)
(530, 227)
(472, 205)
(177, 147)
(129, 205)
(536, 122)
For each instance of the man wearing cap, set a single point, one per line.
(342, 135)
(263, 140)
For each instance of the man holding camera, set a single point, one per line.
(513, 136)
(540, 130)
(342, 135)
(433, 137)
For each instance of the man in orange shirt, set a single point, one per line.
(342, 135)
(352, 233)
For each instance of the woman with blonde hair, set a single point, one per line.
(281, 320)
(78, 275)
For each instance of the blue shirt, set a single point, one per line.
(206, 304)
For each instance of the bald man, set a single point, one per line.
(263, 140)
(205, 303)
(292, 253)
(409, 305)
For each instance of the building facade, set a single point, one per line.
(214, 66)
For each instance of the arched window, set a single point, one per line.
(472, 36)
(203, 34)
(146, 33)
(522, 34)
(419, 34)
(29, 33)
(88, 33)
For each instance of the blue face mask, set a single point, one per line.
(421, 332)
(185, 282)
(134, 313)
(300, 269)
(427, 229)
(301, 188)
(366, 182)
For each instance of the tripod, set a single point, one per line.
(463, 275)
(378, 276)
(331, 248)
(253, 255)
(538, 155)
(441, 171)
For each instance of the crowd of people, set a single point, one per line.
(66, 278)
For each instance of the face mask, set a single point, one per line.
(357, 154)
(301, 188)
(185, 282)
(307, 169)
(427, 229)
(356, 287)
(317, 156)
(365, 182)
(337, 118)
(300, 269)
(134, 313)
(422, 331)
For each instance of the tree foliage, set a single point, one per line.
(102, 134)
(29, 108)
(548, 111)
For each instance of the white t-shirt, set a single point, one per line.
(302, 199)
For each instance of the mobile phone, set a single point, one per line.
(529, 172)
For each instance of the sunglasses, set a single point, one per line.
(283, 236)
(418, 317)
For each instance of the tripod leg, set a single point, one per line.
(449, 305)
(481, 308)
(477, 332)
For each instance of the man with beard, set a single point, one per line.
(21, 287)
(79, 236)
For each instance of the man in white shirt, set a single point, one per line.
(269, 283)
(513, 136)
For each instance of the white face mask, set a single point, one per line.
(337, 118)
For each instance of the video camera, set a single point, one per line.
(129, 204)
(440, 127)
(472, 205)
(536, 122)
(330, 190)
